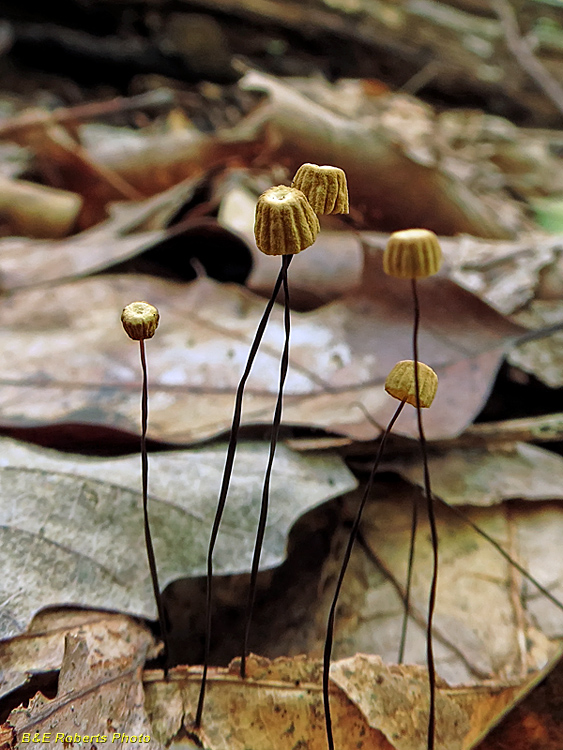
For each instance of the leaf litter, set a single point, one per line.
(510, 643)
(341, 354)
(491, 369)
(279, 706)
(131, 229)
(58, 514)
(100, 690)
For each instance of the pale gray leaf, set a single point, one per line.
(71, 528)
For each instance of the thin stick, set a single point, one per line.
(286, 260)
(227, 473)
(345, 561)
(524, 55)
(145, 483)
(433, 532)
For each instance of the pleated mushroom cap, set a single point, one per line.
(325, 187)
(412, 254)
(140, 320)
(400, 383)
(285, 223)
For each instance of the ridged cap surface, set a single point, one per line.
(140, 320)
(412, 254)
(285, 223)
(400, 383)
(325, 187)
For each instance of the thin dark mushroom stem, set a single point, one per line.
(284, 364)
(410, 568)
(410, 565)
(145, 484)
(227, 474)
(520, 568)
(345, 561)
(433, 532)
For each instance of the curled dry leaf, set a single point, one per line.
(279, 706)
(40, 649)
(131, 228)
(341, 354)
(100, 691)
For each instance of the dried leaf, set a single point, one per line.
(152, 162)
(132, 228)
(100, 690)
(392, 189)
(488, 476)
(58, 515)
(341, 354)
(41, 648)
(279, 706)
(544, 357)
(511, 641)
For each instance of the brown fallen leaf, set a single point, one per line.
(131, 229)
(41, 648)
(341, 354)
(374, 706)
(511, 641)
(99, 691)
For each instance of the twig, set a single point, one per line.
(90, 111)
(524, 55)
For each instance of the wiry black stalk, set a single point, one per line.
(145, 485)
(410, 568)
(351, 540)
(433, 533)
(227, 473)
(284, 364)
